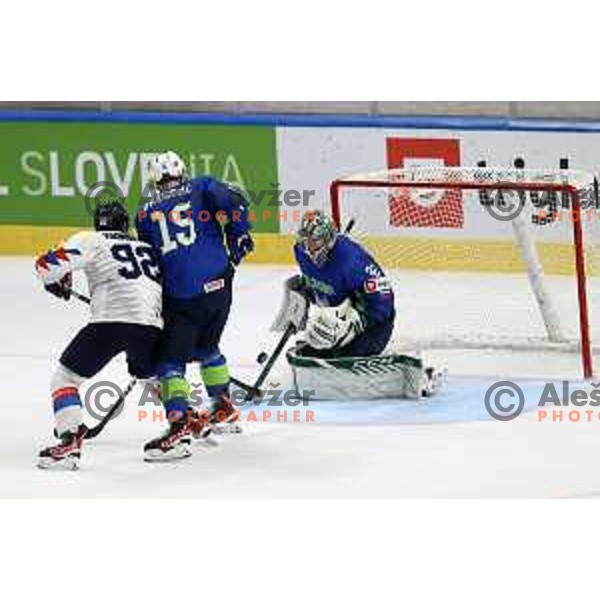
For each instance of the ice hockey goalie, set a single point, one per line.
(343, 304)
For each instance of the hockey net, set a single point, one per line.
(483, 257)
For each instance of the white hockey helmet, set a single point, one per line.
(166, 166)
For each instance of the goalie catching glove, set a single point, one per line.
(333, 327)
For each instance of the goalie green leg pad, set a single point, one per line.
(395, 376)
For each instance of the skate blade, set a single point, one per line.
(207, 437)
(228, 428)
(210, 440)
(178, 453)
(219, 432)
(71, 463)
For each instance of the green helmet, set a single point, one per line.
(317, 234)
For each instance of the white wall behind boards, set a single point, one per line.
(310, 158)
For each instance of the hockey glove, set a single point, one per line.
(239, 246)
(61, 288)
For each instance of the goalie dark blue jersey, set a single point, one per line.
(188, 226)
(350, 272)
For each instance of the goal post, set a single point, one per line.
(455, 219)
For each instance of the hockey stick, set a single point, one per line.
(244, 386)
(255, 389)
(81, 297)
(92, 432)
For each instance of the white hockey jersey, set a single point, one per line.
(123, 275)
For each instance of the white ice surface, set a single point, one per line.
(446, 447)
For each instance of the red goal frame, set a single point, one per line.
(337, 185)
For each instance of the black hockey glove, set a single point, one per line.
(239, 246)
(61, 288)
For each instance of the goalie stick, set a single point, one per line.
(255, 389)
(246, 387)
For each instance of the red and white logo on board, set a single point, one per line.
(427, 208)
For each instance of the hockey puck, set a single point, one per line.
(262, 357)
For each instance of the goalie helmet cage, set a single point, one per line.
(409, 204)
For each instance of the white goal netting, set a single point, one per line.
(483, 257)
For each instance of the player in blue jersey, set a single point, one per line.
(355, 302)
(201, 231)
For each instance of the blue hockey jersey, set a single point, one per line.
(350, 272)
(187, 228)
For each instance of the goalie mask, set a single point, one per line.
(166, 170)
(318, 235)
